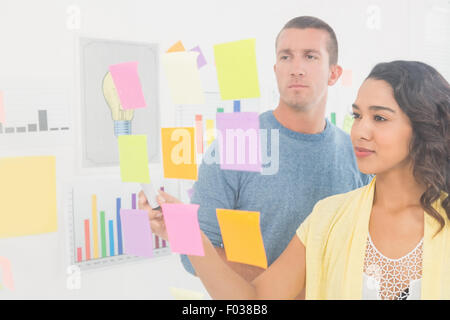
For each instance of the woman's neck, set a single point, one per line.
(397, 189)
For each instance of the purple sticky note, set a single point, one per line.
(239, 141)
(128, 85)
(183, 229)
(201, 61)
(136, 233)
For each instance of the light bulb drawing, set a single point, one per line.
(122, 118)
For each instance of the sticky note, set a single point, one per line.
(128, 85)
(347, 78)
(183, 294)
(177, 47)
(239, 142)
(2, 109)
(183, 77)
(201, 61)
(136, 233)
(183, 229)
(348, 123)
(133, 157)
(237, 72)
(242, 237)
(27, 196)
(178, 153)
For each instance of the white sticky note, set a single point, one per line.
(183, 77)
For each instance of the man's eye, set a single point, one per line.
(284, 57)
(310, 57)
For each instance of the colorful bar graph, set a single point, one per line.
(156, 242)
(103, 233)
(87, 240)
(133, 201)
(333, 118)
(210, 134)
(111, 238)
(95, 226)
(199, 133)
(119, 226)
(237, 106)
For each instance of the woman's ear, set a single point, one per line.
(335, 74)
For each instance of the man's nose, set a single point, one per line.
(297, 67)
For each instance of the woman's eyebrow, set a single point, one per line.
(376, 108)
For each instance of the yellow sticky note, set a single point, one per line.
(236, 69)
(242, 237)
(183, 77)
(178, 46)
(27, 196)
(183, 294)
(179, 156)
(133, 158)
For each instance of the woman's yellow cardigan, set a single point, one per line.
(335, 236)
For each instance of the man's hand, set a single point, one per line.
(155, 216)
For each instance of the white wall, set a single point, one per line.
(38, 49)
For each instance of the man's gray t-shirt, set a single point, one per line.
(311, 167)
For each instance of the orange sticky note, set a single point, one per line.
(177, 47)
(179, 156)
(242, 237)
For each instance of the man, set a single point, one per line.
(316, 159)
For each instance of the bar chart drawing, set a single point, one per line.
(35, 115)
(94, 227)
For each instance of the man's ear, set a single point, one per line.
(275, 67)
(335, 74)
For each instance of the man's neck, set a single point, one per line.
(308, 122)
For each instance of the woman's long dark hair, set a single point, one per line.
(424, 96)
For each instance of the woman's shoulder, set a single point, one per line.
(339, 201)
(330, 212)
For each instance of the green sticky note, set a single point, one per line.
(133, 158)
(237, 72)
(348, 123)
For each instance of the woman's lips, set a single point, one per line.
(362, 152)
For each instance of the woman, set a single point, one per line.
(387, 240)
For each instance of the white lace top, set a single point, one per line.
(392, 279)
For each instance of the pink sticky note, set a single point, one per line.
(183, 229)
(136, 233)
(347, 77)
(2, 109)
(201, 61)
(128, 85)
(239, 141)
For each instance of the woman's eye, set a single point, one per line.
(355, 115)
(379, 118)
